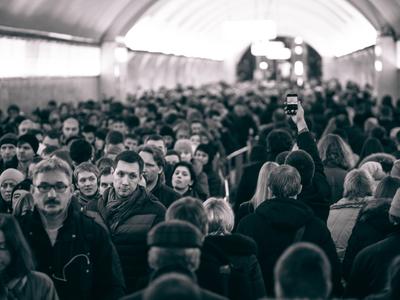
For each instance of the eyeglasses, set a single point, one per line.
(58, 187)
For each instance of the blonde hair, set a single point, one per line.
(333, 149)
(262, 192)
(221, 218)
(357, 184)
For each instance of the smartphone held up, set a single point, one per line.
(291, 104)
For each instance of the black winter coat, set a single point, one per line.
(369, 273)
(317, 194)
(274, 225)
(82, 263)
(372, 226)
(239, 252)
(129, 234)
(165, 194)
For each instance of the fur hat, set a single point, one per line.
(304, 163)
(11, 174)
(175, 234)
(30, 139)
(80, 151)
(374, 169)
(9, 138)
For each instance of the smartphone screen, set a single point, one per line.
(291, 104)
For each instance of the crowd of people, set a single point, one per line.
(129, 200)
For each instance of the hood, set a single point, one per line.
(285, 213)
(376, 213)
(233, 244)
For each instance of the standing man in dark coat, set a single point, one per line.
(280, 221)
(130, 212)
(154, 164)
(74, 251)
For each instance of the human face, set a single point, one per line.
(202, 157)
(7, 151)
(6, 189)
(55, 201)
(131, 144)
(126, 178)
(25, 152)
(195, 139)
(181, 179)
(168, 141)
(70, 128)
(87, 183)
(151, 170)
(196, 128)
(159, 144)
(182, 134)
(185, 155)
(172, 159)
(18, 194)
(24, 127)
(119, 126)
(105, 182)
(5, 256)
(89, 137)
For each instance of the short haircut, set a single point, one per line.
(89, 128)
(303, 272)
(88, 167)
(191, 210)
(279, 140)
(80, 151)
(105, 171)
(21, 257)
(189, 166)
(155, 152)
(154, 137)
(172, 286)
(357, 184)
(52, 164)
(49, 150)
(160, 257)
(131, 157)
(104, 162)
(221, 218)
(285, 181)
(114, 137)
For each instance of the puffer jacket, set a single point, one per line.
(342, 217)
(129, 234)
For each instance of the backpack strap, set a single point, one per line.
(299, 234)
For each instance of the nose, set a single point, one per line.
(125, 180)
(51, 193)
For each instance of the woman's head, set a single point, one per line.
(184, 148)
(8, 180)
(21, 198)
(334, 151)
(183, 176)
(15, 255)
(220, 216)
(262, 191)
(357, 184)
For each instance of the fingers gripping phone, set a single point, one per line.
(291, 104)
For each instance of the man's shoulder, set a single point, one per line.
(207, 295)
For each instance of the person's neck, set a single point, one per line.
(53, 221)
(152, 185)
(181, 191)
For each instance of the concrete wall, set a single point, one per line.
(30, 93)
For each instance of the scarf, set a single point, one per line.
(85, 200)
(117, 209)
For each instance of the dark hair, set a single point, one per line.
(80, 151)
(303, 271)
(387, 187)
(191, 210)
(114, 138)
(21, 256)
(89, 128)
(104, 162)
(155, 152)
(154, 137)
(88, 167)
(129, 157)
(279, 140)
(189, 166)
(49, 149)
(105, 171)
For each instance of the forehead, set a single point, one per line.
(85, 174)
(8, 145)
(182, 169)
(24, 145)
(52, 177)
(106, 178)
(8, 181)
(124, 166)
(146, 156)
(71, 123)
(155, 142)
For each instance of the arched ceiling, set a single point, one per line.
(328, 25)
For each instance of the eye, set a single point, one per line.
(120, 174)
(132, 176)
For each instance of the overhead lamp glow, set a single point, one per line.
(263, 65)
(262, 48)
(121, 54)
(378, 50)
(298, 50)
(378, 66)
(298, 68)
(300, 81)
(252, 30)
(280, 54)
(298, 40)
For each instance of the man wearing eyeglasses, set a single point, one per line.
(71, 248)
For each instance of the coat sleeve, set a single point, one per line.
(109, 280)
(257, 279)
(357, 286)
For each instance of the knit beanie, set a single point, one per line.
(9, 138)
(11, 174)
(304, 164)
(175, 234)
(30, 139)
(395, 205)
